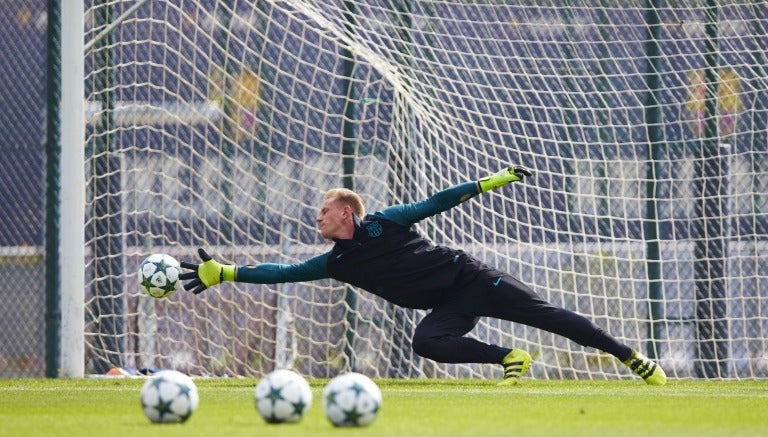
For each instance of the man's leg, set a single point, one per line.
(506, 298)
(440, 337)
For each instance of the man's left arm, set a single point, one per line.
(450, 197)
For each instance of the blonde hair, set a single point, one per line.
(347, 197)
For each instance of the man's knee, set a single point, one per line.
(435, 339)
(422, 343)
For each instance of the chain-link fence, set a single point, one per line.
(22, 187)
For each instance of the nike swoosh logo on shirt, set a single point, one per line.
(496, 283)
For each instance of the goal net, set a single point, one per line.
(220, 124)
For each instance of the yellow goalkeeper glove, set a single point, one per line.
(206, 274)
(509, 174)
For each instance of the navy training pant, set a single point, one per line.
(440, 336)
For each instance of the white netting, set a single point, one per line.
(220, 124)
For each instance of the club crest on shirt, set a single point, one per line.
(374, 229)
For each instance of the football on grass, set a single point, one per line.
(351, 399)
(159, 275)
(169, 397)
(282, 396)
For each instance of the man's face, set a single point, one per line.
(334, 219)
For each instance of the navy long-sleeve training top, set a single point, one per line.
(385, 256)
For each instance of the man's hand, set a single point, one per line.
(509, 174)
(206, 274)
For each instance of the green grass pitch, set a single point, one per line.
(110, 407)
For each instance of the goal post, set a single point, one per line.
(232, 118)
(71, 250)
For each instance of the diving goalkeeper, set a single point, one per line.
(382, 254)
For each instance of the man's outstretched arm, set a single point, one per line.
(210, 272)
(450, 197)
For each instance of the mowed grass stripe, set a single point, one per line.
(420, 407)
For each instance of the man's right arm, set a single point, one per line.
(210, 272)
(272, 273)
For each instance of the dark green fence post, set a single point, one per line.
(107, 238)
(710, 248)
(760, 109)
(655, 143)
(348, 165)
(228, 145)
(52, 194)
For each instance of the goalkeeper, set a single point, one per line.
(383, 254)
